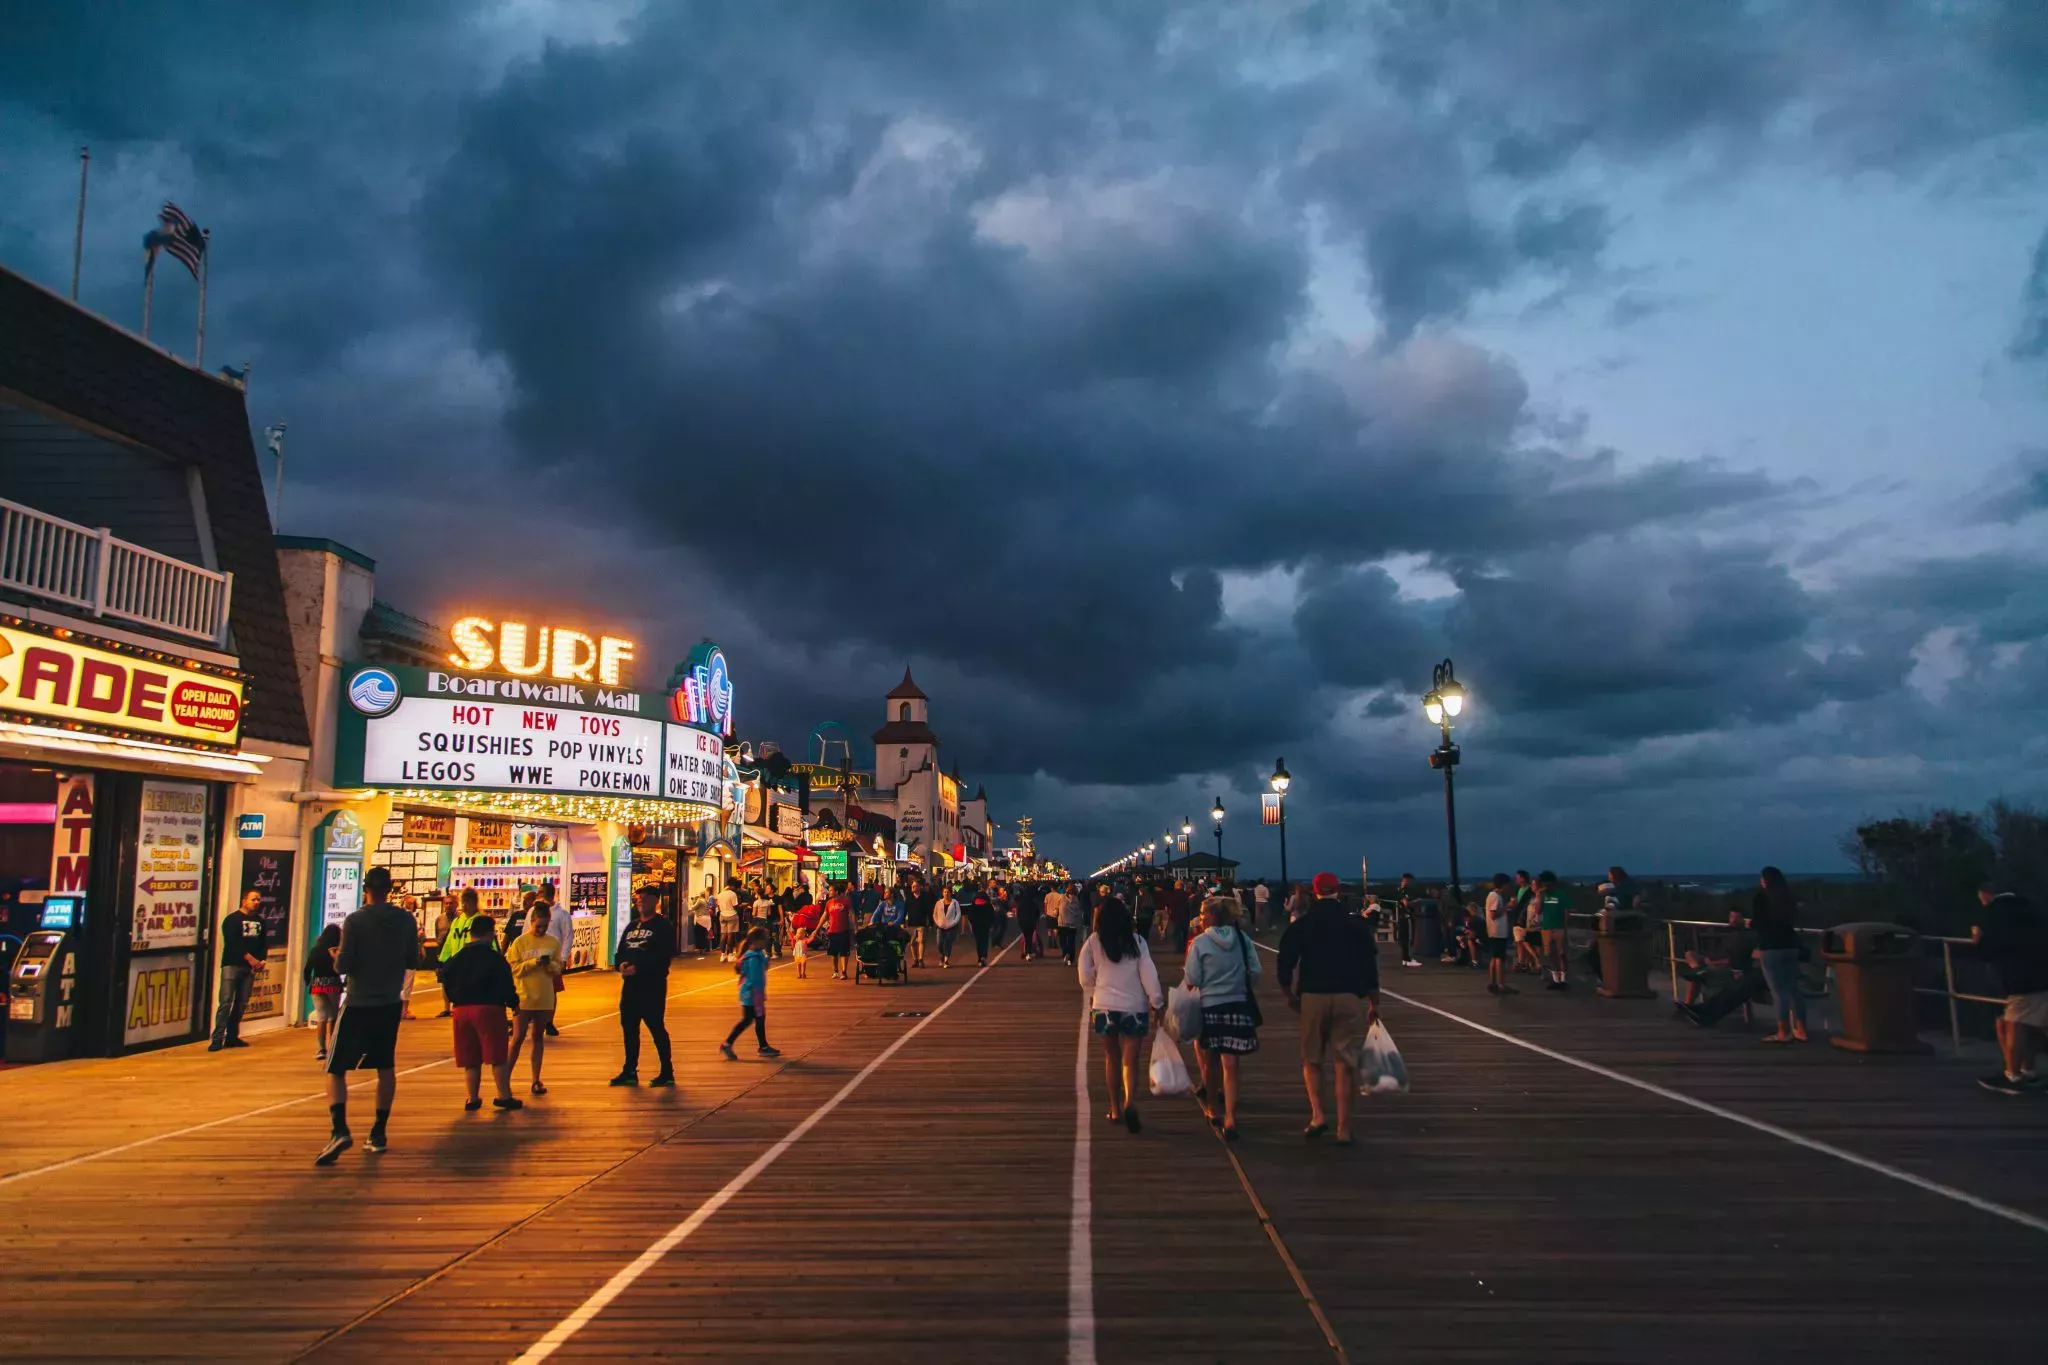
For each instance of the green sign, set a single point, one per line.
(832, 863)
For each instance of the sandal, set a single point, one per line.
(1347, 1142)
(1315, 1130)
(1777, 1039)
(1230, 1134)
(539, 1089)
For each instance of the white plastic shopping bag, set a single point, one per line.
(1169, 1072)
(1381, 1070)
(1184, 1013)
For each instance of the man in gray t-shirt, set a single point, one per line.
(380, 943)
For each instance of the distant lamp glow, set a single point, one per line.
(1217, 813)
(1433, 707)
(1281, 778)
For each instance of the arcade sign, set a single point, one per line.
(52, 678)
(528, 651)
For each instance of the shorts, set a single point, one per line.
(1553, 942)
(839, 944)
(1331, 1023)
(2028, 1010)
(366, 1038)
(480, 1035)
(326, 1005)
(1499, 949)
(1120, 1023)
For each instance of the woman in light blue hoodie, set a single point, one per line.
(1224, 967)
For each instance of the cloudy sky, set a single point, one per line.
(1171, 384)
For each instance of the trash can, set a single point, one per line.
(1873, 966)
(1429, 932)
(1624, 955)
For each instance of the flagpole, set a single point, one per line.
(148, 286)
(78, 236)
(205, 253)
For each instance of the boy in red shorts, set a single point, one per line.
(480, 991)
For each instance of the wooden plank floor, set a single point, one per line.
(1512, 1207)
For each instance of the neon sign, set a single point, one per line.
(700, 691)
(527, 651)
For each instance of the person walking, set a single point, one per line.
(1405, 911)
(379, 945)
(1551, 918)
(839, 930)
(645, 950)
(981, 917)
(1000, 911)
(752, 970)
(455, 940)
(323, 983)
(1030, 903)
(1121, 985)
(1329, 970)
(536, 961)
(1054, 908)
(918, 918)
(1500, 935)
(728, 922)
(2013, 935)
(1178, 912)
(480, 990)
(1528, 938)
(560, 926)
(1221, 965)
(946, 916)
(1262, 902)
(1074, 919)
(244, 949)
(1774, 916)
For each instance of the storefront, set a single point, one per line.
(526, 765)
(116, 762)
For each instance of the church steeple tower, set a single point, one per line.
(905, 742)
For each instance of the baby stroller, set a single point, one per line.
(878, 955)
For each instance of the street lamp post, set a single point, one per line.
(1216, 814)
(1187, 847)
(1444, 702)
(1281, 780)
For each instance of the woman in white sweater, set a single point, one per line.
(1122, 988)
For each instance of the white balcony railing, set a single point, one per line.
(95, 571)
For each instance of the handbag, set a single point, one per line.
(1251, 997)
(1184, 1013)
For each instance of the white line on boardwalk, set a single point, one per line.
(1080, 1231)
(1918, 1182)
(154, 1138)
(560, 1334)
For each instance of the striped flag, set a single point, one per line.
(179, 236)
(1269, 808)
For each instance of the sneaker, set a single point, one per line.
(765, 1051)
(1998, 1083)
(321, 1055)
(376, 1143)
(215, 1046)
(336, 1145)
(725, 1051)
(509, 1102)
(665, 1081)
(626, 1078)
(1492, 989)
(1410, 962)
(236, 1042)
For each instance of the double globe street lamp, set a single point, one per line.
(1443, 703)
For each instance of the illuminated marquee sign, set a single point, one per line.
(529, 651)
(700, 690)
(107, 689)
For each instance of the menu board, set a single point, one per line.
(268, 872)
(340, 891)
(169, 865)
(429, 829)
(588, 892)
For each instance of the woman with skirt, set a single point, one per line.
(1224, 967)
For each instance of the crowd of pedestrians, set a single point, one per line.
(502, 994)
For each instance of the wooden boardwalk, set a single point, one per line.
(1515, 1206)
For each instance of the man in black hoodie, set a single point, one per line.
(480, 990)
(645, 950)
(1330, 972)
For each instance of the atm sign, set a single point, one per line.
(62, 681)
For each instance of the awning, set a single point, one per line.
(36, 742)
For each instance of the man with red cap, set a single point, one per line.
(1330, 972)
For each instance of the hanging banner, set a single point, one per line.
(170, 861)
(112, 689)
(1269, 808)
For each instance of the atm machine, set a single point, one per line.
(42, 984)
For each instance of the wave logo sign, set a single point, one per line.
(373, 692)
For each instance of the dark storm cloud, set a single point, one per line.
(971, 332)
(2030, 342)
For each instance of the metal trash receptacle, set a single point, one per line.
(1873, 965)
(1624, 955)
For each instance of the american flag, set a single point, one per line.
(180, 236)
(1269, 808)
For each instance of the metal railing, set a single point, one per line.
(1947, 990)
(96, 571)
